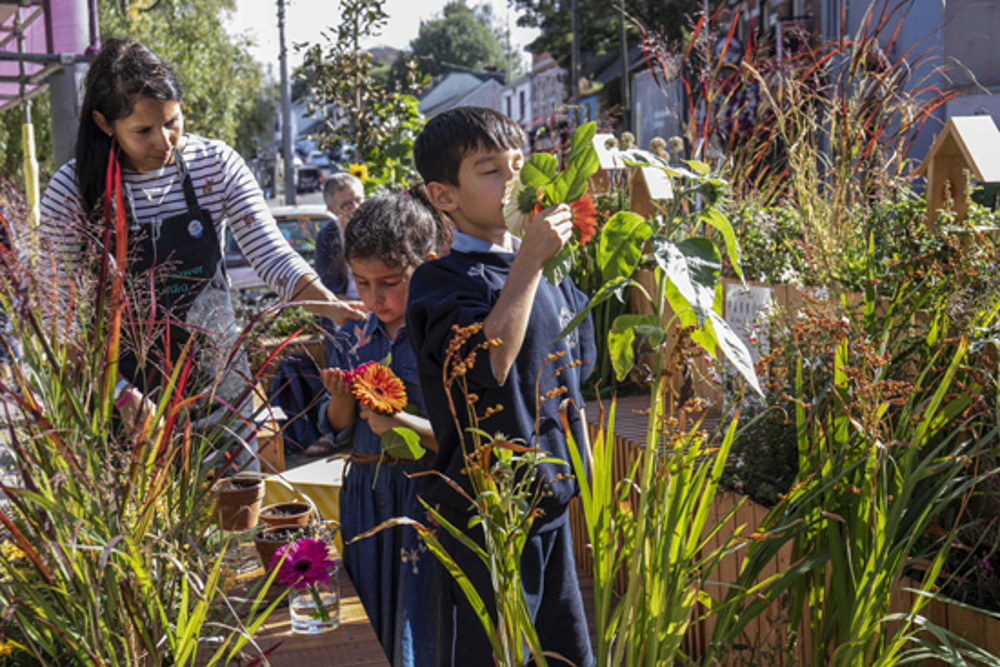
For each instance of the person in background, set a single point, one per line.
(180, 192)
(385, 241)
(343, 194)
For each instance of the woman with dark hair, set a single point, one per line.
(179, 193)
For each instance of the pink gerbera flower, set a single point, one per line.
(306, 564)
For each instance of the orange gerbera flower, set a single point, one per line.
(584, 218)
(377, 388)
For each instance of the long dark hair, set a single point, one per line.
(121, 73)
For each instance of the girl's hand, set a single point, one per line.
(335, 382)
(380, 424)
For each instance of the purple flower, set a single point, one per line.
(307, 563)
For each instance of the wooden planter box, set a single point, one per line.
(770, 628)
(311, 346)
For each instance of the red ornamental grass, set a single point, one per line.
(306, 564)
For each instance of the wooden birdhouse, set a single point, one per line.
(607, 155)
(647, 185)
(967, 143)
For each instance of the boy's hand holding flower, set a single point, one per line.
(540, 185)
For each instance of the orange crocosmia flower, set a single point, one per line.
(584, 218)
(377, 388)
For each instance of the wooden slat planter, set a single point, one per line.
(771, 627)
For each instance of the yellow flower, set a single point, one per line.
(8, 647)
(11, 551)
(360, 171)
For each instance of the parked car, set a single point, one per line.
(308, 177)
(318, 159)
(300, 225)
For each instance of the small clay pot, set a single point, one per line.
(286, 514)
(269, 540)
(237, 502)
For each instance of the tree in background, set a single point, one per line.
(599, 29)
(462, 39)
(224, 93)
(377, 122)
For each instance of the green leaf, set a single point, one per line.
(611, 288)
(572, 181)
(621, 339)
(622, 240)
(734, 350)
(714, 218)
(582, 139)
(692, 266)
(539, 171)
(698, 167)
(557, 268)
(402, 443)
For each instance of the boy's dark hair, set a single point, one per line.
(453, 134)
(395, 229)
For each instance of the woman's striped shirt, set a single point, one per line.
(225, 188)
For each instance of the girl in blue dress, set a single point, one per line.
(386, 239)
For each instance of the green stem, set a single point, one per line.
(321, 612)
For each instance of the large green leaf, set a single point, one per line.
(402, 443)
(538, 171)
(571, 184)
(715, 218)
(557, 268)
(693, 266)
(582, 140)
(620, 249)
(734, 350)
(622, 337)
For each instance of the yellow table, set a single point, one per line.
(317, 483)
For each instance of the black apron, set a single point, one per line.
(171, 262)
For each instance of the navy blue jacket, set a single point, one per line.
(461, 288)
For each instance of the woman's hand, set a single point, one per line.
(314, 297)
(341, 311)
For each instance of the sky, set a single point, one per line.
(306, 19)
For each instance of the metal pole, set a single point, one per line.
(574, 75)
(72, 28)
(626, 79)
(286, 111)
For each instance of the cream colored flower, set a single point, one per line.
(517, 222)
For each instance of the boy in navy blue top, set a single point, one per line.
(466, 156)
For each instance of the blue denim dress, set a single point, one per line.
(392, 571)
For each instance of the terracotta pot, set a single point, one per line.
(237, 502)
(269, 540)
(286, 514)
